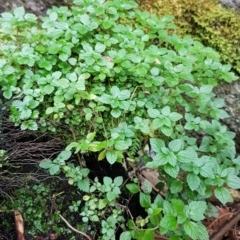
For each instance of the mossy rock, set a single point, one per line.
(205, 20)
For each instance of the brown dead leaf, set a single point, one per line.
(214, 224)
(19, 225)
(52, 236)
(152, 176)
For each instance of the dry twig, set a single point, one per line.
(226, 227)
(67, 223)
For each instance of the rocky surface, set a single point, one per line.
(231, 94)
(232, 4)
(38, 7)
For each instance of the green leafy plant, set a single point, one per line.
(115, 79)
(207, 21)
(32, 202)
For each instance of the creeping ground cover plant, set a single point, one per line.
(111, 79)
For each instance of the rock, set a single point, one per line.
(231, 4)
(38, 7)
(231, 94)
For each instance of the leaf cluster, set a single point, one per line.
(207, 21)
(113, 76)
(33, 203)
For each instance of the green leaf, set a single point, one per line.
(102, 203)
(116, 190)
(133, 188)
(196, 210)
(72, 61)
(63, 83)
(19, 12)
(45, 163)
(53, 16)
(115, 91)
(233, 181)
(7, 70)
(25, 113)
(30, 124)
(126, 235)
(175, 145)
(95, 146)
(102, 155)
(87, 47)
(171, 170)
(94, 218)
(107, 24)
(65, 155)
(195, 231)
(7, 94)
(49, 110)
(153, 113)
(223, 195)
(83, 185)
(129, 5)
(155, 217)
(187, 156)
(158, 160)
(124, 94)
(167, 207)
(158, 200)
(121, 145)
(175, 116)
(144, 127)
(118, 181)
(193, 181)
(85, 219)
(85, 19)
(205, 89)
(145, 200)
(91, 136)
(207, 169)
(166, 111)
(141, 71)
(124, 105)
(146, 186)
(140, 103)
(111, 196)
(176, 186)
(156, 144)
(63, 57)
(7, 16)
(102, 76)
(178, 206)
(167, 131)
(111, 156)
(148, 235)
(107, 180)
(48, 89)
(169, 222)
(80, 84)
(54, 169)
(100, 47)
(116, 113)
(154, 71)
(167, 18)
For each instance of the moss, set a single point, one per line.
(204, 20)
